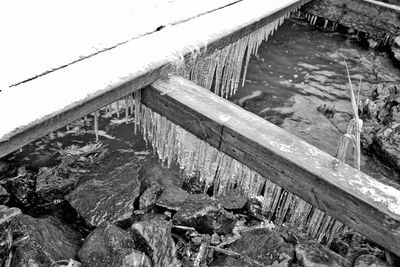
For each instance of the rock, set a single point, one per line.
(172, 198)
(148, 199)
(313, 254)
(148, 216)
(109, 245)
(369, 261)
(151, 171)
(4, 167)
(154, 238)
(205, 214)
(43, 241)
(22, 187)
(7, 214)
(136, 259)
(233, 199)
(109, 191)
(51, 187)
(262, 245)
(4, 196)
(386, 145)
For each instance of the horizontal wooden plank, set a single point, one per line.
(374, 17)
(58, 98)
(82, 29)
(350, 196)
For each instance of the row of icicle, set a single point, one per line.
(225, 66)
(214, 168)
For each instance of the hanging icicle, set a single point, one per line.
(96, 124)
(226, 63)
(196, 158)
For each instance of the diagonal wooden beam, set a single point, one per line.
(350, 196)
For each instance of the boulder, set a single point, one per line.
(154, 238)
(51, 187)
(42, 241)
(109, 245)
(22, 187)
(262, 245)
(6, 216)
(369, 261)
(148, 199)
(4, 196)
(205, 214)
(313, 254)
(172, 198)
(109, 191)
(233, 199)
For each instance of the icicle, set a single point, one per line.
(67, 127)
(138, 99)
(226, 63)
(126, 110)
(118, 108)
(326, 23)
(110, 110)
(196, 158)
(96, 125)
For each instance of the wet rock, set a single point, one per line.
(135, 259)
(22, 187)
(4, 167)
(386, 145)
(154, 238)
(147, 216)
(205, 214)
(172, 198)
(152, 171)
(50, 186)
(381, 131)
(4, 196)
(262, 245)
(109, 191)
(7, 214)
(43, 241)
(313, 254)
(109, 245)
(148, 198)
(369, 261)
(232, 200)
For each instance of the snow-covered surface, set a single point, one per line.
(59, 90)
(43, 35)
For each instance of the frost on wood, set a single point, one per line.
(197, 158)
(227, 63)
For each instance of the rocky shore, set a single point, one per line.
(123, 210)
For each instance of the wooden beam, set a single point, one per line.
(350, 196)
(60, 97)
(374, 17)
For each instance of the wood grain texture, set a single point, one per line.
(352, 197)
(373, 17)
(60, 97)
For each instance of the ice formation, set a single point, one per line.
(225, 66)
(214, 168)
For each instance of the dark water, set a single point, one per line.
(301, 68)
